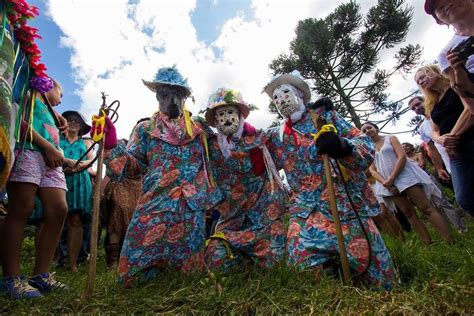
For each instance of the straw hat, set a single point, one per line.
(224, 96)
(168, 76)
(295, 79)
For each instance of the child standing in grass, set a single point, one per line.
(37, 171)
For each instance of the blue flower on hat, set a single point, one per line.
(168, 76)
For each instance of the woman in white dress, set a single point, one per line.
(403, 181)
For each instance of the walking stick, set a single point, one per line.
(346, 272)
(91, 275)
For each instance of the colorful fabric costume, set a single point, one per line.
(250, 224)
(168, 226)
(311, 233)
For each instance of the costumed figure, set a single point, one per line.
(312, 239)
(169, 151)
(118, 204)
(250, 223)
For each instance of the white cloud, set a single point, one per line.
(115, 44)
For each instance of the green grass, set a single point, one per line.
(436, 280)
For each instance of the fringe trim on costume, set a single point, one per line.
(6, 153)
(206, 161)
(188, 122)
(272, 172)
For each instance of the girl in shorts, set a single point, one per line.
(37, 171)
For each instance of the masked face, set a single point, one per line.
(171, 101)
(227, 119)
(287, 99)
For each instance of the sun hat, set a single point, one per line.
(295, 79)
(85, 128)
(168, 76)
(225, 96)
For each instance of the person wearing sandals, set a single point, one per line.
(36, 171)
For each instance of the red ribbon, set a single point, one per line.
(288, 130)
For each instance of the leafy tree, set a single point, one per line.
(340, 53)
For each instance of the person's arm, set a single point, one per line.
(437, 161)
(460, 80)
(399, 165)
(128, 160)
(375, 174)
(448, 141)
(420, 160)
(362, 147)
(464, 122)
(53, 156)
(63, 123)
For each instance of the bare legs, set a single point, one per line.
(20, 206)
(387, 221)
(416, 195)
(55, 210)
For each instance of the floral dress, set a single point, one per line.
(250, 223)
(168, 226)
(312, 238)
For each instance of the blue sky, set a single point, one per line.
(55, 57)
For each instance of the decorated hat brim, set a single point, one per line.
(210, 113)
(155, 85)
(292, 80)
(85, 128)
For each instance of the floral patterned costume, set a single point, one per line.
(311, 234)
(167, 228)
(250, 224)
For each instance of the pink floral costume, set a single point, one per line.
(250, 225)
(311, 233)
(168, 226)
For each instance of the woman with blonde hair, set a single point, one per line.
(453, 128)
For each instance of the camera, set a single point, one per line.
(465, 48)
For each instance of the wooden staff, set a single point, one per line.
(92, 272)
(346, 272)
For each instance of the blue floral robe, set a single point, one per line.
(168, 226)
(311, 234)
(250, 224)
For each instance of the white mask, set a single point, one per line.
(227, 119)
(288, 99)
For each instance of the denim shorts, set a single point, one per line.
(30, 167)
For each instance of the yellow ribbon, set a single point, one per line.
(221, 236)
(188, 122)
(99, 125)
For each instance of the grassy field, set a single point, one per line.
(436, 280)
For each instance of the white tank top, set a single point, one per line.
(411, 174)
